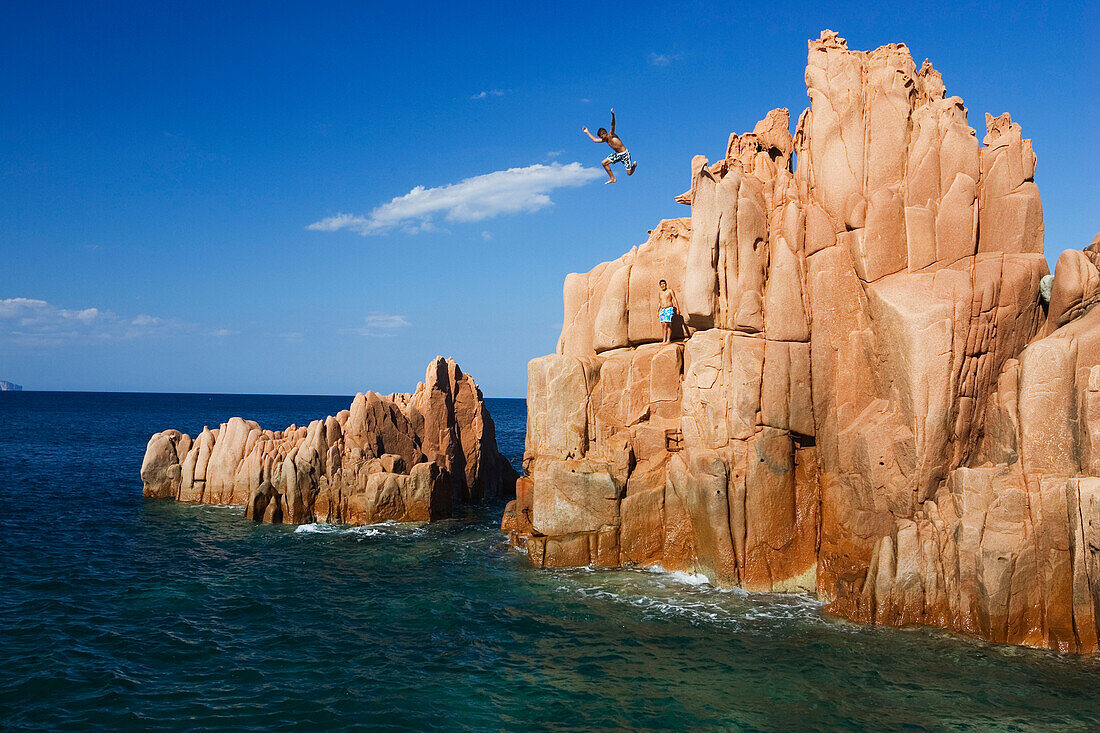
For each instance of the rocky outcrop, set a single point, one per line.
(876, 404)
(403, 457)
(10, 387)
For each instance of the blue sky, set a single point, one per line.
(161, 164)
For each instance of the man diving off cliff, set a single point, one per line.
(619, 155)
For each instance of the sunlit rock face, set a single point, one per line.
(402, 457)
(873, 404)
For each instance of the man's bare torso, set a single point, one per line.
(616, 143)
(665, 297)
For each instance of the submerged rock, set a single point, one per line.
(872, 402)
(402, 457)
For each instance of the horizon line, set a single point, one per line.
(218, 394)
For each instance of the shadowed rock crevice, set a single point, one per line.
(874, 403)
(402, 457)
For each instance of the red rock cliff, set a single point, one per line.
(875, 404)
(403, 457)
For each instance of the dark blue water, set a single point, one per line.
(122, 612)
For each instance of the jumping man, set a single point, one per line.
(620, 154)
(668, 306)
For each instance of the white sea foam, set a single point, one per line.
(659, 593)
(654, 605)
(390, 528)
(319, 528)
(680, 576)
(381, 529)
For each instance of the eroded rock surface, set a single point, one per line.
(875, 403)
(402, 457)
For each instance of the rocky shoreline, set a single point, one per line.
(401, 457)
(876, 392)
(883, 399)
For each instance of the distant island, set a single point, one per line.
(10, 387)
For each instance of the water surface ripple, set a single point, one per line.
(121, 612)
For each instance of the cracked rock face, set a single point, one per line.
(402, 457)
(875, 404)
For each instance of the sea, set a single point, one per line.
(124, 613)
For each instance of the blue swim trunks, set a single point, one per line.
(666, 314)
(623, 157)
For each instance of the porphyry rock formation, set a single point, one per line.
(10, 387)
(875, 402)
(403, 457)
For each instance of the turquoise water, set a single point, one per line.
(121, 612)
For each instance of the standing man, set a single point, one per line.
(667, 309)
(620, 154)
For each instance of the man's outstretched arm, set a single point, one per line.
(594, 138)
(612, 120)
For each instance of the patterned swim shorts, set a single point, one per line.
(666, 314)
(623, 157)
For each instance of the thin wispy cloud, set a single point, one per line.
(379, 324)
(554, 153)
(490, 93)
(663, 59)
(423, 227)
(31, 321)
(472, 199)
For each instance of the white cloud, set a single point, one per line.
(381, 320)
(379, 324)
(336, 223)
(223, 332)
(38, 322)
(423, 227)
(490, 93)
(471, 199)
(663, 59)
(554, 153)
(487, 236)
